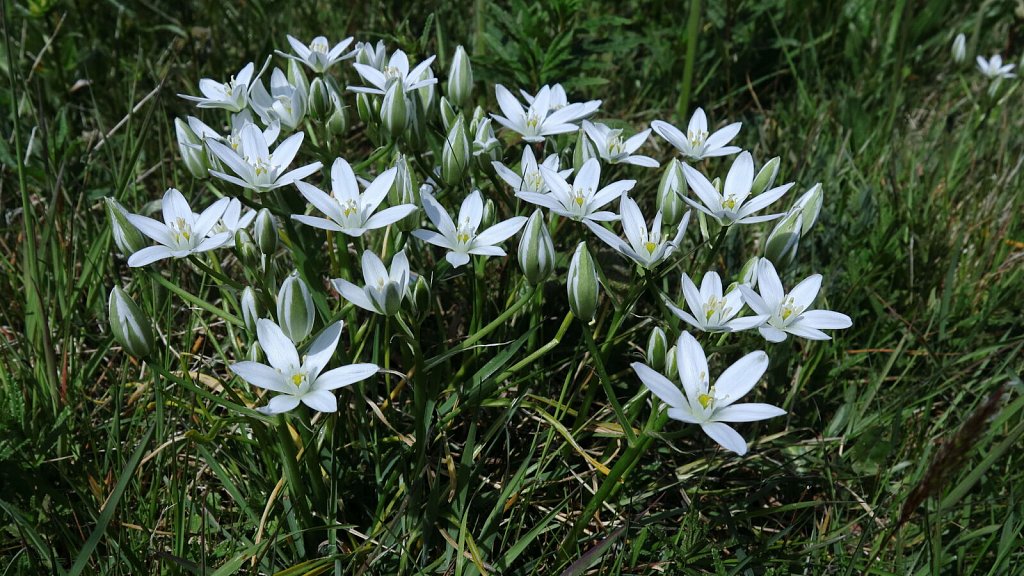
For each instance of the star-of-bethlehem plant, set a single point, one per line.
(397, 170)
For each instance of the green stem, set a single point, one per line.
(295, 485)
(613, 481)
(692, 29)
(602, 375)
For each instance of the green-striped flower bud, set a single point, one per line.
(765, 177)
(297, 77)
(487, 220)
(295, 308)
(266, 231)
(405, 190)
(455, 157)
(193, 154)
(250, 309)
(582, 151)
(672, 364)
(810, 206)
(246, 249)
(582, 284)
(127, 237)
(368, 108)
(394, 114)
(319, 103)
(427, 95)
(448, 114)
(657, 347)
(129, 325)
(337, 123)
(670, 200)
(782, 242)
(460, 79)
(748, 273)
(536, 250)
(420, 296)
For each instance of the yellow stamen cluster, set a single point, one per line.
(697, 137)
(715, 306)
(789, 308)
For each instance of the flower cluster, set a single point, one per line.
(552, 171)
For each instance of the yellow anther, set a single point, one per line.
(297, 379)
(650, 247)
(705, 400)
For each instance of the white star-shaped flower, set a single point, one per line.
(318, 55)
(733, 205)
(298, 379)
(790, 313)
(384, 290)
(697, 143)
(462, 240)
(646, 248)
(397, 70)
(610, 146)
(232, 95)
(255, 167)
(347, 209)
(581, 200)
(539, 120)
(529, 178)
(182, 232)
(711, 406)
(711, 310)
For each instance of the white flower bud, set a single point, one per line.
(319, 101)
(368, 108)
(191, 148)
(765, 177)
(394, 113)
(582, 152)
(784, 239)
(959, 48)
(420, 296)
(748, 273)
(338, 122)
(127, 237)
(295, 308)
(672, 364)
(250, 311)
(448, 114)
(670, 201)
(657, 347)
(246, 249)
(460, 79)
(455, 156)
(810, 206)
(297, 78)
(536, 250)
(129, 325)
(582, 284)
(266, 232)
(427, 94)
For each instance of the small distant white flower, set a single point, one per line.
(371, 55)
(697, 144)
(790, 313)
(613, 149)
(647, 249)
(319, 55)
(713, 311)
(711, 406)
(539, 120)
(994, 69)
(285, 102)
(484, 141)
(182, 232)
(529, 178)
(238, 121)
(397, 70)
(558, 100)
(384, 290)
(959, 48)
(463, 240)
(348, 210)
(233, 220)
(232, 95)
(298, 379)
(255, 167)
(732, 206)
(581, 200)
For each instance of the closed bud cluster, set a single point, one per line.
(295, 308)
(460, 79)
(670, 202)
(657, 347)
(247, 251)
(456, 153)
(127, 238)
(129, 325)
(583, 284)
(536, 250)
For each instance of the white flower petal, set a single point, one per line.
(661, 386)
(725, 436)
(345, 375)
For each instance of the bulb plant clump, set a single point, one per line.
(369, 190)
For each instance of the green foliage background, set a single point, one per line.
(920, 241)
